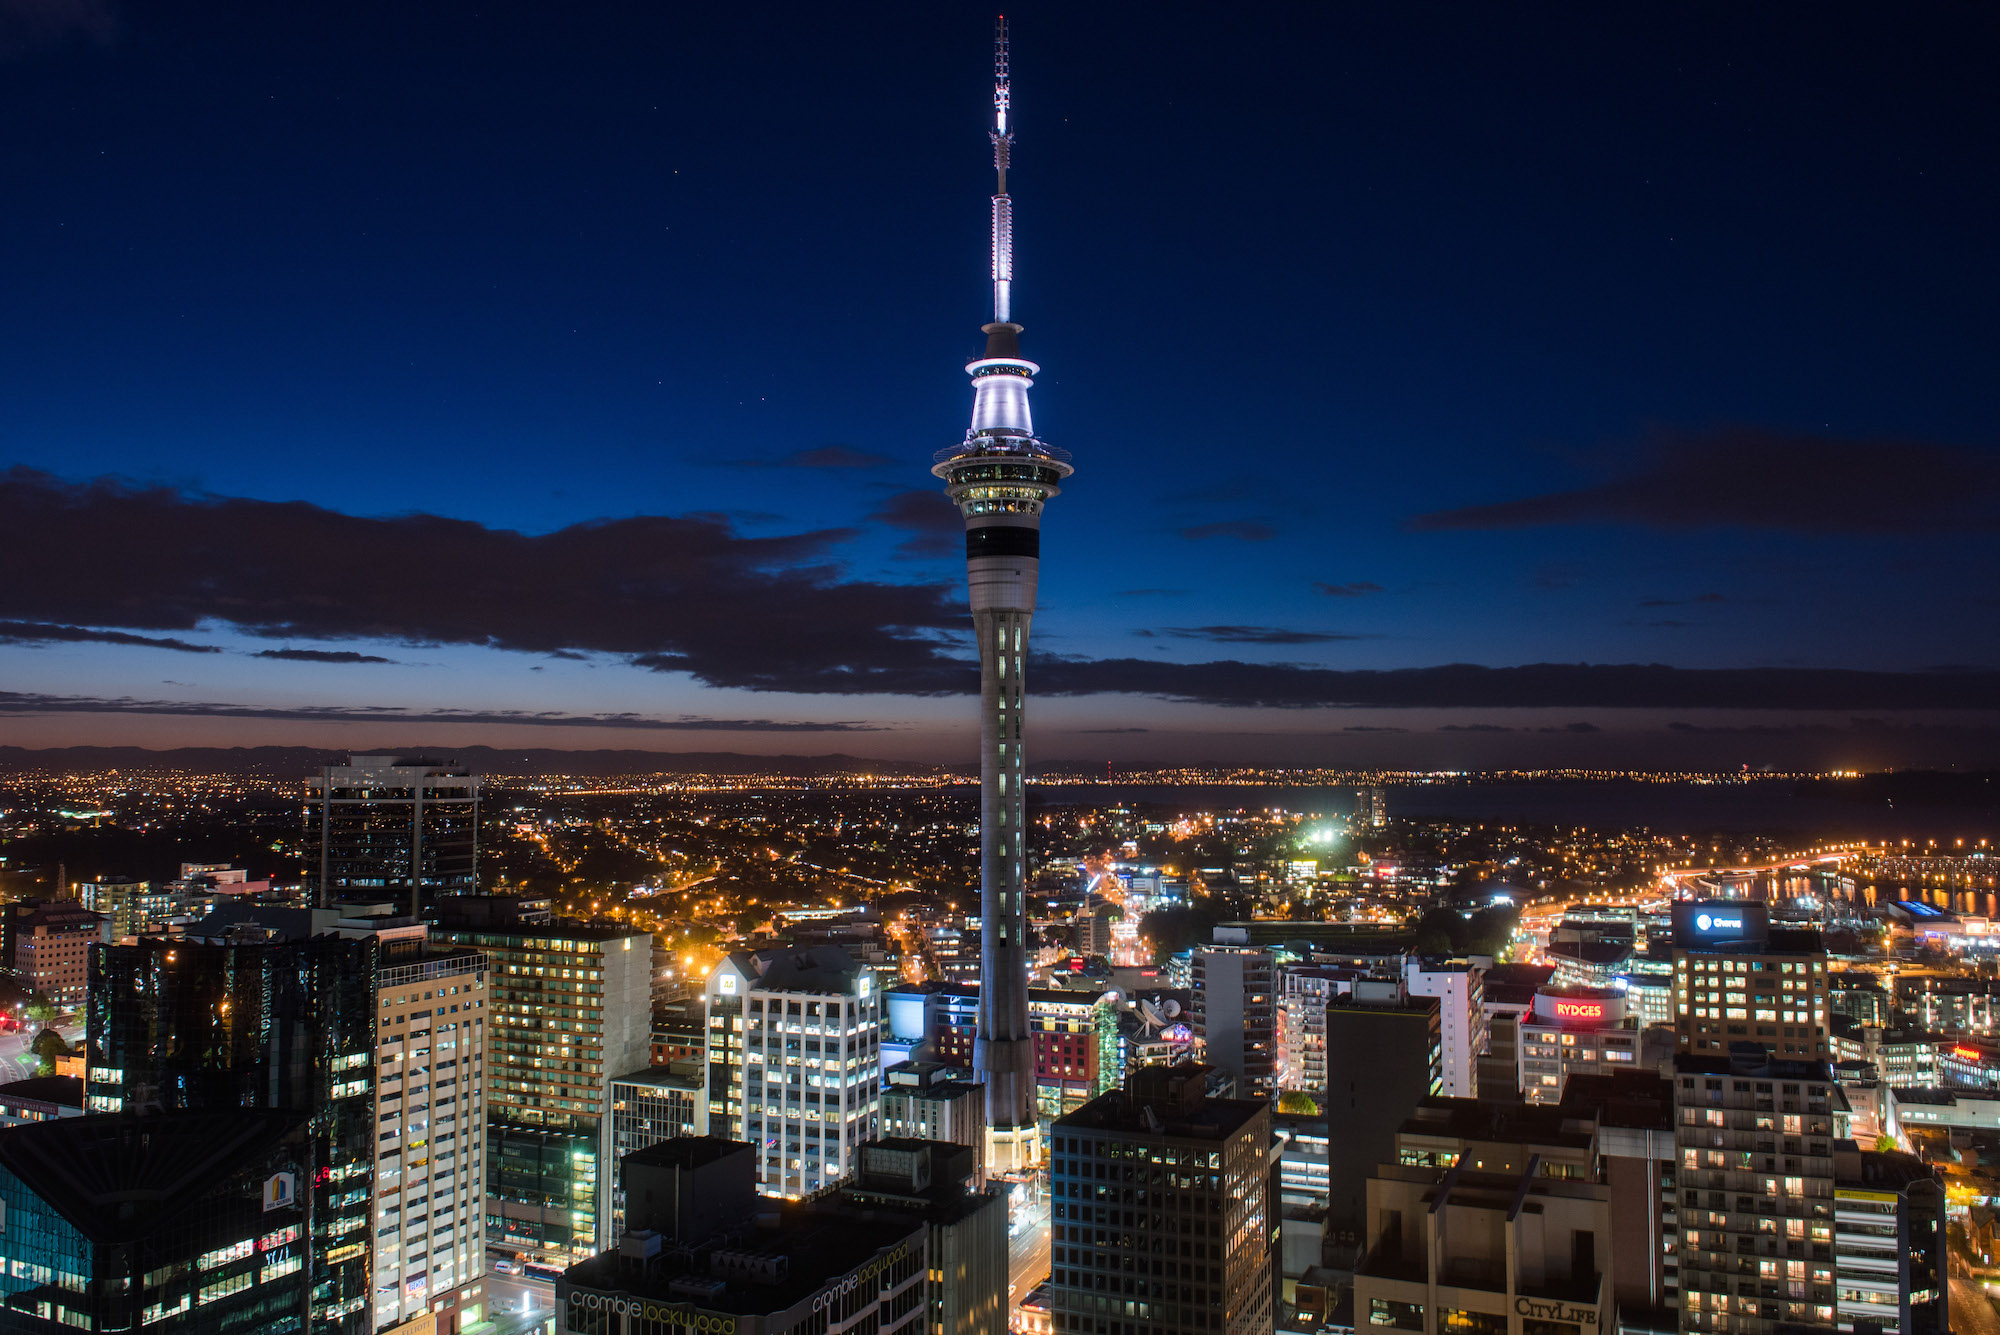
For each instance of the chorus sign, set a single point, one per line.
(1718, 922)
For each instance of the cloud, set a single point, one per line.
(934, 524)
(1359, 588)
(28, 26)
(1683, 602)
(321, 656)
(1474, 727)
(826, 457)
(1246, 530)
(679, 594)
(1364, 727)
(1750, 477)
(26, 632)
(1532, 686)
(14, 703)
(1253, 635)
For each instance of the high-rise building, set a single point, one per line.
(1000, 477)
(651, 1105)
(1490, 1218)
(390, 827)
(208, 1024)
(1575, 1031)
(704, 1252)
(1756, 1179)
(1304, 994)
(132, 906)
(52, 950)
(1888, 1242)
(1737, 980)
(569, 1008)
(966, 1289)
(1382, 1056)
(429, 1229)
(1461, 1018)
(1235, 1010)
(927, 1101)
(195, 1221)
(794, 1062)
(1074, 1038)
(1164, 1206)
(1371, 808)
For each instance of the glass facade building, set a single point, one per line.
(399, 828)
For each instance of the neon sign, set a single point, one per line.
(1579, 1010)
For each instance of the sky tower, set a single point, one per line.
(999, 477)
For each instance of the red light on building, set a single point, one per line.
(1969, 1054)
(1579, 1010)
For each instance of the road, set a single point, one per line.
(1971, 1313)
(504, 1297)
(1028, 1254)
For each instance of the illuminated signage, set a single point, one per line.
(867, 983)
(1968, 1054)
(1579, 1010)
(1712, 922)
(728, 984)
(280, 1189)
(1555, 1311)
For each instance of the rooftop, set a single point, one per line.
(805, 1247)
(118, 1177)
(66, 1090)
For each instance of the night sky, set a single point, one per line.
(1448, 386)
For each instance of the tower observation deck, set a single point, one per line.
(1000, 476)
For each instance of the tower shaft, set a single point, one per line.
(1000, 477)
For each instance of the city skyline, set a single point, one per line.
(467, 380)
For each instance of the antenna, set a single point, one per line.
(1003, 207)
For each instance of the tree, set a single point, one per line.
(1170, 931)
(1886, 1145)
(40, 1009)
(1298, 1102)
(49, 1045)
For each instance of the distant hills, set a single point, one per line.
(297, 761)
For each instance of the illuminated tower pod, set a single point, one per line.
(999, 477)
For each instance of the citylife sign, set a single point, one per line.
(1555, 1311)
(686, 1318)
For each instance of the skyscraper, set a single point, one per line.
(388, 827)
(1000, 476)
(568, 1010)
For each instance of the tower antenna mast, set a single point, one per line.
(1003, 208)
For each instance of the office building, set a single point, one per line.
(1461, 1019)
(211, 1024)
(1889, 1243)
(1303, 996)
(704, 1252)
(1490, 1220)
(794, 1062)
(1756, 1178)
(1371, 808)
(52, 950)
(1382, 1057)
(1235, 1012)
(651, 1105)
(404, 829)
(680, 1031)
(196, 1221)
(929, 1101)
(569, 1007)
(429, 1225)
(1506, 996)
(131, 907)
(1164, 1210)
(1737, 979)
(1076, 1049)
(966, 1285)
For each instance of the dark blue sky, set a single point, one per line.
(1385, 337)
